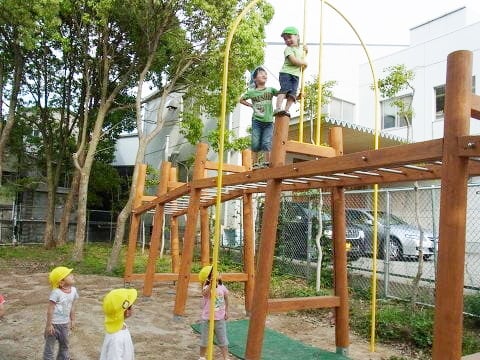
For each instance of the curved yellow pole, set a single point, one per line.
(318, 128)
(375, 188)
(302, 75)
(218, 204)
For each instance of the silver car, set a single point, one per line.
(404, 237)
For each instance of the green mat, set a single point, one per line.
(276, 346)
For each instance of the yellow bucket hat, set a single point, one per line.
(114, 305)
(57, 275)
(204, 273)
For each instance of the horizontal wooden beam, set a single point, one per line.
(302, 303)
(171, 195)
(211, 165)
(425, 151)
(475, 106)
(310, 149)
(174, 184)
(469, 146)
(163, 277)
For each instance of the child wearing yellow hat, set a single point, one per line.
(60, 313)
(221, 312)
(117, 306)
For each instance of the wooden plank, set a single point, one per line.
(163, 277)
(171, 195)
(296, 147)
(211, 165)
(302, 303)
(475, 107)
(469, 146)
(426, 151)
(175, 184)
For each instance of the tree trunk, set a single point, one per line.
(48, 235)
(113, 261)
(85, 171)
(5, 133)
(62, 235)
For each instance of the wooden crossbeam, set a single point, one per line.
(321, 151)
(425, 151)
(164, 277)
(211, 165)
(302, 303)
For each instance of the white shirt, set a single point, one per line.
(118, 346)
(63, 305)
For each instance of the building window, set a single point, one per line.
(440, 99)
(390, 115)
(340, 109)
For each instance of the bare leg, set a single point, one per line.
(280, 98)
(254, 157)
(289, 103)
(224, 350)
(203, 351)
(267, 156)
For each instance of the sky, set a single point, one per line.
(377, 22)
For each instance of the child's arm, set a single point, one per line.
(226, 306)
(49, 330)
(296, 61)
(245, 102)
(72, 316)
(206, 289)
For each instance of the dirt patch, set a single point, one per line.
(156, 334)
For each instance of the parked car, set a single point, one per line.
(404, 237)
(298, 226)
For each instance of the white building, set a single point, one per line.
(430, 44)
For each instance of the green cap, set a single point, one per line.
(290, 30)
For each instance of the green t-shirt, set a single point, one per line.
(261, 102)
(288, 67)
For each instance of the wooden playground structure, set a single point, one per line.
(452, 159)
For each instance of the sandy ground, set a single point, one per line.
(156, 334)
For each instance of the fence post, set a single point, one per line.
(386, 244)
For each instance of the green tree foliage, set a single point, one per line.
(399, 81)
(311, 95)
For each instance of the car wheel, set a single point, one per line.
(395, 250)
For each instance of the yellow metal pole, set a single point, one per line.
(318, 128)
(302, 75)
(218, 205)
(375, 193)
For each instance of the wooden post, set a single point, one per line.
(340, 253)
(340, 270)
(135, 222)
(448, 326)
(204, 236)
(157, 230)
(190, 230)
(174, 244)
(248, 239)
(267, 244)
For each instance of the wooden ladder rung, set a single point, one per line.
(302, 303)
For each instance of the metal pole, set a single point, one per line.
(386, 257)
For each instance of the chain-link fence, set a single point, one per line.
(408, 218)
(26, 224)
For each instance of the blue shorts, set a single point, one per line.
(262, 134)
(288, 85)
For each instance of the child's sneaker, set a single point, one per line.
(281, 112)
(265, 164)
